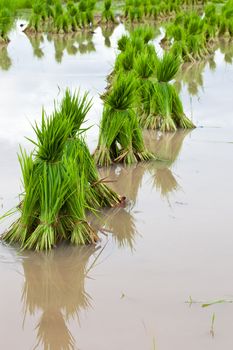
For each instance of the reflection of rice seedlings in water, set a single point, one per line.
(55, 284)
(167, 146)
(70, 46)
(52, 332)
(122, 227)
(120, 223)
(59, 46)
(165, 181)
(191, 74)
(35, 41)
(126, 180)
(107, 31)
(5, 60)
(226, 48)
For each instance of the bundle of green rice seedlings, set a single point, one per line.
(149, 114)
(146, 33)
(57, 183)
(41, 201)
(144, 68)
(167, 67)
(180, 118)
(120, 138)
(6, 23)
(74, 216)
(164, 105)
(75, 108)
(196, 47)
(123, 42)
(107, 14)
(125, 60)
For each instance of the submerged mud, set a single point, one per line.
(171, 244)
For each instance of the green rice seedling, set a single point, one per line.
(144, 65)
(120, 138)
(178, 112)
(164, 105)
(167, 67)
(125, 61)
(35, 24)
(123, 42)
(75, 108)
(5, 24)
(53, 192)
(81, 231)
(146, 33)
(139, 14)
(19, 230)
(107, 14)
(58, 9)
(60, 182)
(132, 14)
(83, 6)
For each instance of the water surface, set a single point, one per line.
(173, 241)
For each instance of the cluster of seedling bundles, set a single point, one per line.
(193, 37)
(139, 10)
(51, 15)
(60, 181)
(153, 97)
(54, 16)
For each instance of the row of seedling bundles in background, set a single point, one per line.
(139, 95)
(53, 16)
(194, 37)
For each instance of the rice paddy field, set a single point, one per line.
(116, 153)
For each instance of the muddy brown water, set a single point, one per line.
(173, 243)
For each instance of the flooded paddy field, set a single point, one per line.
(161, 258)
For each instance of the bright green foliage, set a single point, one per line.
(120, 138)
(54, 17)
(167, 67)
(6, 21)
(140, 10)
(60, 182)
(155, 100)
(108, 15)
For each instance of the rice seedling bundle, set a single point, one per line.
(54, 17)
(120, 137)
(60, 182)
(155, 103)
(138, 11)
(161, 107)
(107, 14)
(5, 24)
